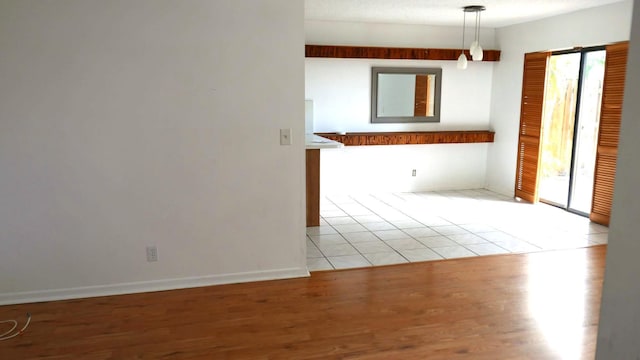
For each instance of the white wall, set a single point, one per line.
(341, 94)
(595, 26)
(619, 312)
(340, 89)
(388, 168)
(130, 123)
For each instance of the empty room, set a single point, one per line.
(318, 179)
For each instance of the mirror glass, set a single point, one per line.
(405, 95)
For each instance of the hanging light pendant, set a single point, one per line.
(475, 49)
(462, 59)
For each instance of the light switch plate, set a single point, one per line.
(285, 136)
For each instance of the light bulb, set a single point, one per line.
(478, 54)
(473, 47)
(462, 62)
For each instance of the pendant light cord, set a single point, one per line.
(464, 23)
(475, 38)
(478, 27)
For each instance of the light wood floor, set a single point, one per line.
(532, 306)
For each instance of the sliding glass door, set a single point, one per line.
(596, 104)
(557, 127)
(586, 139)
(570, 127)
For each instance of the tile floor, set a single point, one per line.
(393, 228)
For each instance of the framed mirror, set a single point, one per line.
(405, 95)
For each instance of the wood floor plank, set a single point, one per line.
(530, 306)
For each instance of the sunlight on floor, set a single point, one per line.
(557, 295)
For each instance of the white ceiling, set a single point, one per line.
(499, 13)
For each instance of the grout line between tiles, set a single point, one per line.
(481, 196)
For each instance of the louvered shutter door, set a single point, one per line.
(609, 132)
(533, 87)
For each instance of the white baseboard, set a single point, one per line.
(148, 286)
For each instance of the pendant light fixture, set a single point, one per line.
(462, 59)
(475, 49)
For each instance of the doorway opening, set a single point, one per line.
(569, 135)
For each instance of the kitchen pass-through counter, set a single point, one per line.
(313, 144)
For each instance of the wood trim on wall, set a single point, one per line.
(411, 138)
(372, 52)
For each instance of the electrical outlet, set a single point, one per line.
(285, 136)
(152, 253)
(413, 172)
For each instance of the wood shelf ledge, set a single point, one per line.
(411, 137)
(372, 52)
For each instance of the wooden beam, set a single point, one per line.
(371, 52)
(410, 138)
